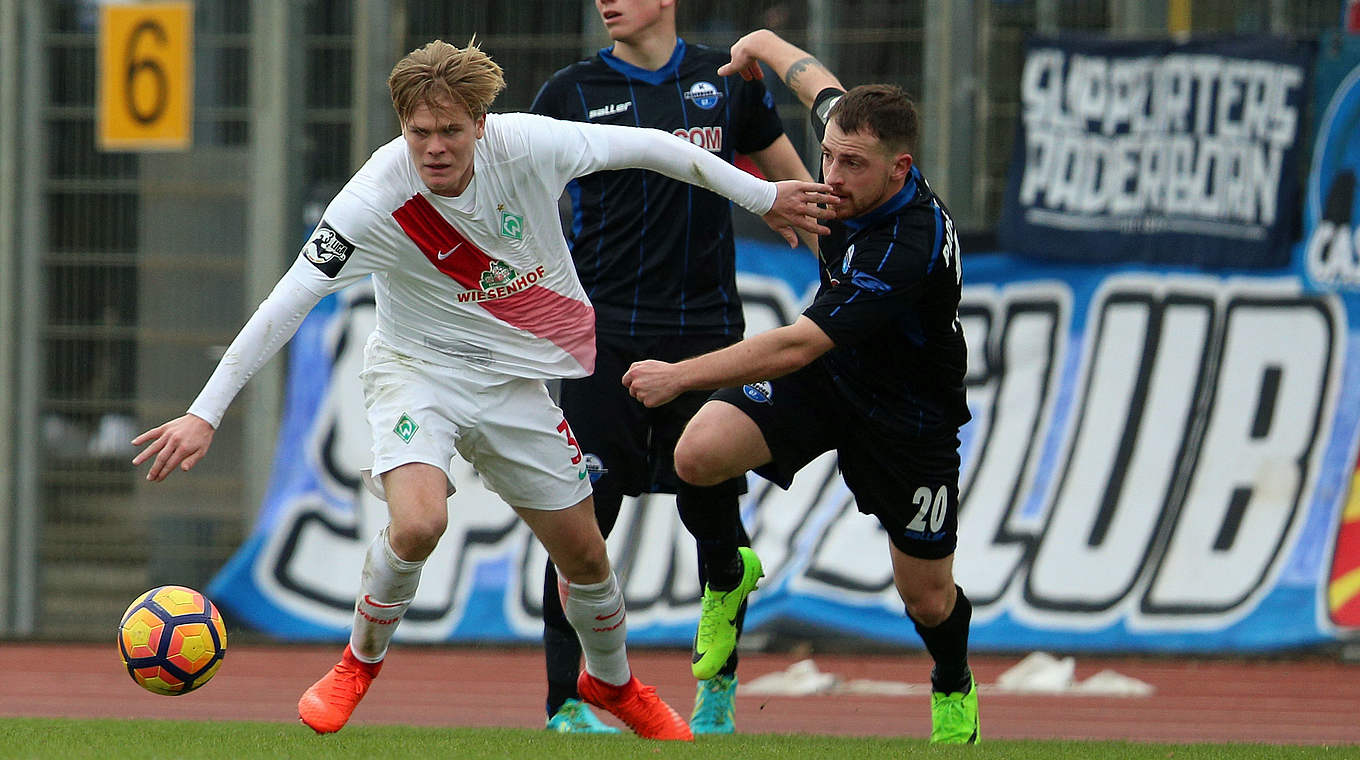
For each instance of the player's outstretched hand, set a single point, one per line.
(745, 58)
(652, 382)
(798, 206)
(178, 443)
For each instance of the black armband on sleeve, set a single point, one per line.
(821, 107)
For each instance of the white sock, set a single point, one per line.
(596, 611)
(385, 591)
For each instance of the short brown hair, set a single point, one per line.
(882, 110)
(441, 73)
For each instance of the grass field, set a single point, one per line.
(144, 740)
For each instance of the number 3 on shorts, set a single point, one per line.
(565, 429)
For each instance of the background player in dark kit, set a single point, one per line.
(657, 260)
(873, 369)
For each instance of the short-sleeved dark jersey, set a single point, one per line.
(889, 299)
(656, 255)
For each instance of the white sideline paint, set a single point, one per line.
(1037, 673)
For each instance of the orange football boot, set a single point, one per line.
(636, 705)
(327, 705)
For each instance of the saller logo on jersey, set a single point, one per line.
(597, 113)
(328, 250)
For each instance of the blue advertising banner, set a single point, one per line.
(1158, 462)
(1328, 256)
(1158, 152)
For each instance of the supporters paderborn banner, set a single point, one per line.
(1158, 152)
(1159, 460)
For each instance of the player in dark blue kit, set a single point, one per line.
(656, 257)
(873, 369)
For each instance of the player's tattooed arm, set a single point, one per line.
(796, 71)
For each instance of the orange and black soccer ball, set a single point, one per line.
(172, 640)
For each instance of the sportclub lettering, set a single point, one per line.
(1220, 410)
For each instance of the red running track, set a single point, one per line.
(1299, 701)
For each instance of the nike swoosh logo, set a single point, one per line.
(581, 475)
(441, 255)
(612, 614)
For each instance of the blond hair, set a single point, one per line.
(439, 73)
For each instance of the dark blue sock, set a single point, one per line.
(947, 643)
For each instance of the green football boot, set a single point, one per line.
(954, 716)
(717, 634)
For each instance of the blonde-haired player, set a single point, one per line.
(477, 305)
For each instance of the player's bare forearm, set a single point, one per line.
(806, 77)
(770, 354)
(799, 70)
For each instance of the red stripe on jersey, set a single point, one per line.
(445, 247)
(567, 323)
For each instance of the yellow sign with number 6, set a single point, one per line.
(146, 76)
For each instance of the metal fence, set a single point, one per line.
(125, 274)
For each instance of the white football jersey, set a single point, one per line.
(484, 277)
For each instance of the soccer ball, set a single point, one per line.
(172, 640)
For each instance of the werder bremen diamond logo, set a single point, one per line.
(406, 428)
(497, 274)
(512, 225)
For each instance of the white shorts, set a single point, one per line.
(506, 427)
